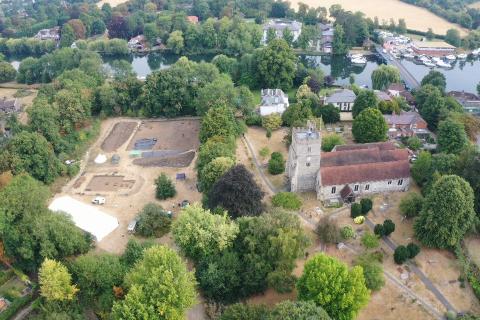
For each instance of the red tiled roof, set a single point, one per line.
(192, 19)
(362, 156)
(379, 145)
(364, 172)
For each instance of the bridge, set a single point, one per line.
(410, 81)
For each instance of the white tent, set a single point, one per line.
(86, 217)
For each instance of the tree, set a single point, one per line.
(327, 231)
(447, 214)
(347, 232)
(151, 296)
(329, 142)
(237, 192)
(339, 47)
(97, 27)
(413, 250)
(422, 169)
(431, 104)
(67, 36)
(276, 65)
(7, 72)
(78, 28)
(213, 171)
(153, 221)
(414, 143)
(372, 271)
(355, 210)
(220, 91)
(365, 99)
(55, 282)
(134, 252)
(199, 233)
(369, 126)
(296, 310)
(276, 164)
(272, 121)
(378, 230)
(384, 76)
(451, 137)
(271, 35)
(411, 205)
(287, 200)
(287, 35)
(175, 42)
(218, 121)
(329, 113)
(243, 311)
(164, 187)
(306, 36)
(370, 240)
(467, 166)
(367, 205)
(328, 282)
(402, 26)
(436, 79)
(388, 227)
(401, 254)
(297, 114)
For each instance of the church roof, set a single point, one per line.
(363, 163)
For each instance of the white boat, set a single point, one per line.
(451, 57)
(408, 56)
(359, 60)
(476, 52)
(443, 64)
(462, 56)
(436, 60)
(429, 64)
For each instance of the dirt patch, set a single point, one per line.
(109, 183)
(79, 182)
(170, 135)
(177, 161)
(118, 136)
(473, 247)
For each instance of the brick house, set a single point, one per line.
(406, 124)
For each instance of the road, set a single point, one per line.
(409, 79)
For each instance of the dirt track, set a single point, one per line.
(118, 136)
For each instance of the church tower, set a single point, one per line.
(304, 158)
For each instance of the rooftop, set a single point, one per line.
(405, 118)
(280, 24)
(342, 95)
(432, 45)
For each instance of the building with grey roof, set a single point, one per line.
(279, 25)
(469, 101)
(343, 99)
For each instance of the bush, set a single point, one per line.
(272, 122)
(370, 241)
(413, 250)
(329, 142)
(327, 231)
(367, 205)
(355, 210)
(264, 152)
(165, 187)
(378, 230)
(287, 200)
(276, 164)
(372, 271)
(388, 227)
(347, 232)
(153, 221)
(400, 255)
(281, 280)
(414, 143)
(411, 205)
(253, 119)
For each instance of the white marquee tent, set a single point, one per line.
(86, 217)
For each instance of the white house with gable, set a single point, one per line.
(273, 101)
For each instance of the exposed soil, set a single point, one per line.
(118, 136)
(178, 161)
(181, 134)
(109, 183)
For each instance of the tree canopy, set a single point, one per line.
(384, 76)
(365, 99)
(451, 137)
(369, 126)
(55, 282)
(436, 79)
(276, 65)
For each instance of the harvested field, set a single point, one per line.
(109, 183)
(177, 161)
(112, 3)
(170, 135)
(416, 18)
(118, 136)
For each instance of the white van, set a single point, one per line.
(98, 200)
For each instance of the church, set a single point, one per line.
(349, 171)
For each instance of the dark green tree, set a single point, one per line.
(401, 254)
(436, 79)
(384, 76)
(365, 99)
(164, 187)
(67, 36)
(451, 137)
(329, 113)
(276, 164)
(153, 221)
(276, 65)
(339, 47)
(369, 126)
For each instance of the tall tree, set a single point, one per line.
(328, 282)
(277, 65)
(55, 282)
(451, 137)
(436, 79)
(237, 192)
(431, 104)
(453, 37)
(218, 121)
(448, 213)
(67, 36)
(384, 76)
(159, 286)
(339, 46)
(365, 99)
(369, 126)
(468, 166)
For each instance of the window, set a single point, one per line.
(308, 164)
(367, 187)
(309, 149)
(356, 187)
(334, 190)
(400, 182)
(390, 182)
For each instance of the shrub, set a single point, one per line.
(347, 232)
(287, 200)
(414, 143)
(369, 240)
(329, 142)
(264, 152)
(272, 121)
(165, 187)
(355, 210)
(367, 205)
(388, 227)
(413, 250)
(253, 119)
(378, 230)
(400, 255)
(372, 271)
(276, 164)
(327, 231)
(411, 205)
(153, 221)
(281, 280)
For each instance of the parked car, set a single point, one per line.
(132, 226)
(98, 200)
(185, 203)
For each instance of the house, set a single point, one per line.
(382, 96)
(396, 90)
(48, 34)
(192, 19)
(10, 106)
(324, 41)
(406, 124)
(279, 25)
(273, 101)
(432, 48)
(348, 171)
(469, 101)
(343, 99)
(137, 43)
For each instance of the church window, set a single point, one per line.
(367, 187)
(390, 182)
(400, 182)
(334, 190)
(355, 188)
